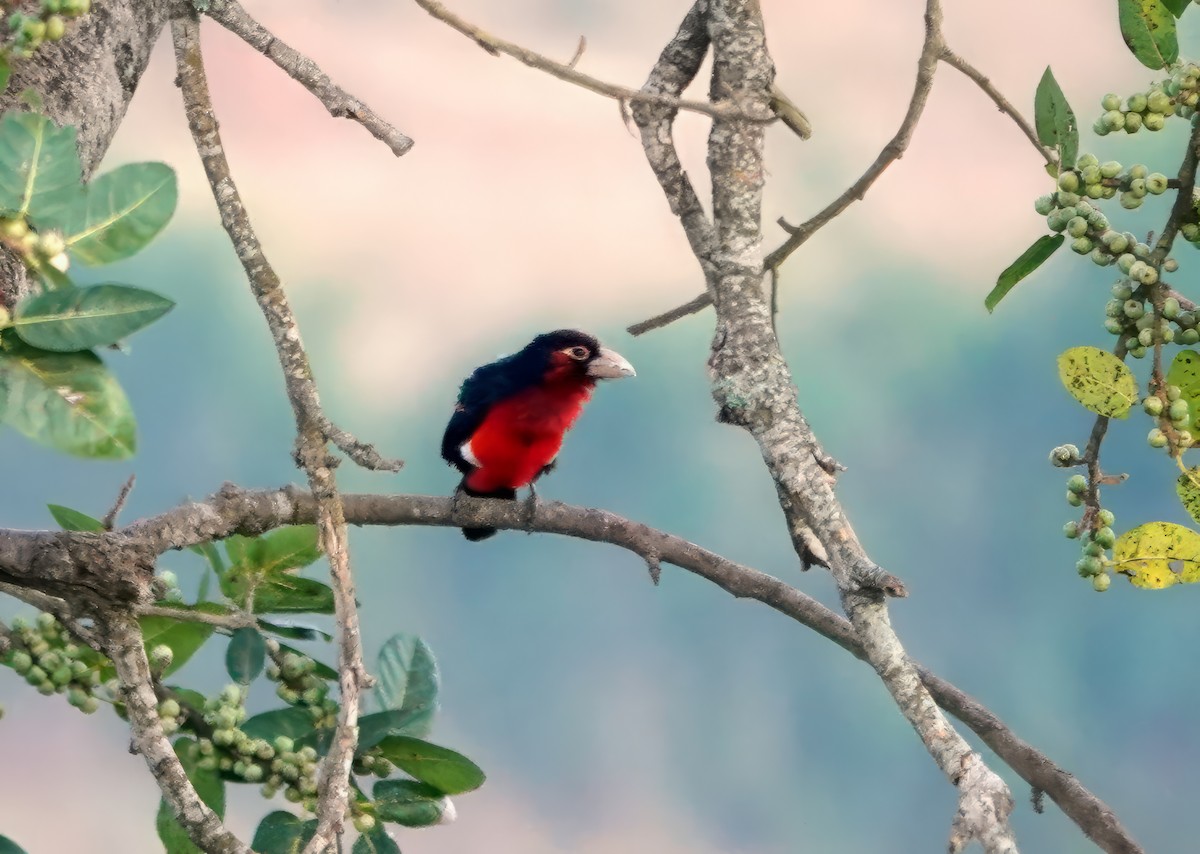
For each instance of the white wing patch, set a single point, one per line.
(468, 454)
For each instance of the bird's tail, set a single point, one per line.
(476, 534)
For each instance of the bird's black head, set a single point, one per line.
(568, 354)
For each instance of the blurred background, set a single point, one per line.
(611, 715)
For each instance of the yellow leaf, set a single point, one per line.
(1098, 380)
(1188, 488)
(1158, 554)
(1185, 373)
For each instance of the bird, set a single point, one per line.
(512, 414)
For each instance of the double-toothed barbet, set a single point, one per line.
(512, 414)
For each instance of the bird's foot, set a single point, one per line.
(530, 509)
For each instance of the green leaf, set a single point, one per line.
(241, 549)
(1158, 555)
(283, 833)
(117, 214)
(410, 803)
(408, 680)
(7, 846)
(377, 841)
(5, 73)
(1098, 380)
(322, 669)
(444, 769)
(1030, 260)
(295, 632)
(209, 786)
(73, 520)
(1055, 120)
(246, 655)
(73, 319)
(1177, 7)
(293, 721)
(183, 637)
(377, 726)
(1185, 373)
(1148, 28)
(287, 548)
(39, 163)
(285, 594)
(68, 401)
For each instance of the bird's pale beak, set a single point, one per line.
(610, 365)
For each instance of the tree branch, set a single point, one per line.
(752, 387)
(311, 426)
(933, 50)
(237, 511)
(340, 103)
(124, 644)
(567, 72)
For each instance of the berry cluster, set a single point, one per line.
(1130, 313)
(1095, 530)
(277, 765)
(1174, 420)
(1177, 95)
(48, 25)
(300, 685)
(49, 659)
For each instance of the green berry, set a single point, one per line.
(1137, 170)
(364, 823)
(1113, 326)
(1082, 245)
(1089, 566)
(1101, 258)
(1130, 201)
(1077, 227)
(1115, 119)
(1156, 183)
(1156, 438)
(1106, 518)
(1184, 439)
(1174, 392)
(56, 28)
(1178, 410)
(1190, 231)
(1111, 169)
(1077, 484)
(20, 661)
(1134, 309)
(1101, 582)
(1123, 290)
(1189, 337)
(1133, 122)
(1170, 309)
(1105, 537)
(1044, 205)
(161, 656)
(1110, 102)
(1153, 406)
(1068, 181)
(1170, 265)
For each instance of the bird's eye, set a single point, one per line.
(578, 353)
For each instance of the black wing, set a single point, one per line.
(486, 386)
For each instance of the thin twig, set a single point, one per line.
(235, 620)
(360, 452)
(110, 518)
(567, 72)
(955, 61)
(340, 103)
(311, 451)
